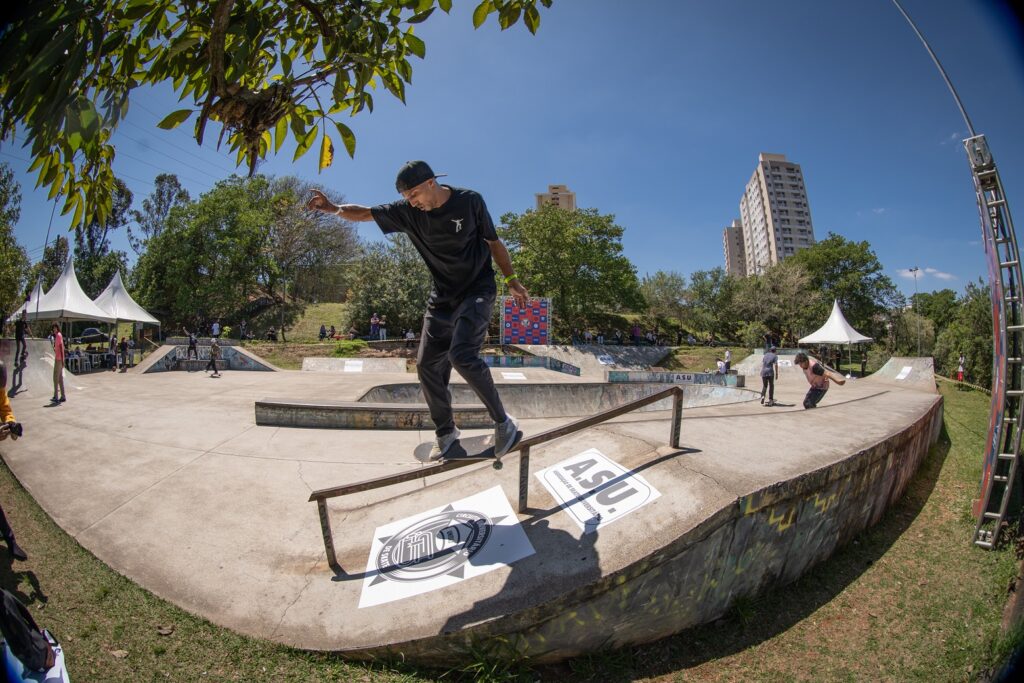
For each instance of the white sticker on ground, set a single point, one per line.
(605, 359)
(353, 366)
(594, 490)
(513, 375)
(904, 372)
(442, 547)
(785, 363)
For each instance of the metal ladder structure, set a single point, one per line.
(1001, 478)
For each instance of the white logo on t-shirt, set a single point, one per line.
(458, 224)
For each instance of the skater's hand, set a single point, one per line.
(518, 292)
(319, 202)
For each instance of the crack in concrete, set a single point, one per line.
(298, 596)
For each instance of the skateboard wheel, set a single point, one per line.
(497, 465)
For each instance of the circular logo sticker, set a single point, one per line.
(434, 546)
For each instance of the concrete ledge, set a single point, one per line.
(354, 365)
(322, 414)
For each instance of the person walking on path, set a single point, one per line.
(452, 230)
(58, 365)
(214, 357)
(817, 376)
(9, 427)
(20, 346)
(769, 373)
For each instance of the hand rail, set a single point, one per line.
(321, 496)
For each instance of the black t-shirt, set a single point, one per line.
(817, 369)
(19, 328)
(450, 239)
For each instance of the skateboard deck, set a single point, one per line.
(466, 448)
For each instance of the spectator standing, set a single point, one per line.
(58, 365)
(20, 345)
(720, 364)
(215, 328)
(131, 352)
(728, 360)
(241, 329)
(817, 376)
(383, 327)
(323, 331)
(588, 336)
(8, 427)
(374, 326)
(960, 368)
(214, 357)
(272, 334)
(634, 334)
(600, 337)
(123, 347)
(410, 338)
(769, 373)
(112, 351)
(192, 345)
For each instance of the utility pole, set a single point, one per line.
(915, 271)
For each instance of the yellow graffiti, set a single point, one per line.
(783, 521)
(823, 503)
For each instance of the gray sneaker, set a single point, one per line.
(505, 435)
(443, 443)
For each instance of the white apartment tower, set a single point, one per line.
(732, 244)
(774, 213)
(558, 195)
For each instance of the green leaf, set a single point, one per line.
(415, 45)
(421, 17)
(532, 19)
(348, 138)
(508, 17)
(445, 5)
(174, 119)
(280, 132)
(481, 12)
(306, 142)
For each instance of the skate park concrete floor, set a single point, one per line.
(167, 479)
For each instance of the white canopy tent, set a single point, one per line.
(118, 303)
(835, 331)
(36, 294)
(66, 301)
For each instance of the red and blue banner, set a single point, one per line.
(530, 325)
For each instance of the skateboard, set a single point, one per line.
(469, 448)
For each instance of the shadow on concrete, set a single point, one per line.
(753, 621)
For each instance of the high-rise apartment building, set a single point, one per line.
(732, 244)
(558, 195)
(774, 213)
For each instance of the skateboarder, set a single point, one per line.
(20, 347)
(214, 357)
(817, 376)
(453, 232)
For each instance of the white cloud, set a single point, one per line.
(953, 137)
(906, 273)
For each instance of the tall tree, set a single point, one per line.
(95, 263)
(969, 333)
(13, 259)
(575, 257)
(261, 69)
(940, 307)
(781, 299)
(213, 256)
(665, 294)
(711, 307)
(150, 222)
(850, 273)
(390, 280)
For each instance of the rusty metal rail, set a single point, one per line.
(321, 496)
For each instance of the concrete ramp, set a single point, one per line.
(354, 365)
(596, 359)
(910, 373)
(171, 357)
(35, 380)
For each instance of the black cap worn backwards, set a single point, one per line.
(414, 173)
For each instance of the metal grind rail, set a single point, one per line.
(321, 496)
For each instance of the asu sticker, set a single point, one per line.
(596, 491)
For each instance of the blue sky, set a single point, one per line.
(655, 111)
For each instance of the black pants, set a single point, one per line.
(452, 337)
(20, 349)
(814, 397)
(5, 528)
(768, 384)
(192, 351)
(212, 365)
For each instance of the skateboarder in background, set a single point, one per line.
(58, 365)
(20, 346)
(214, 356)
(817, 376)
(453, 232)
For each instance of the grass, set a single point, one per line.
(910, 599)
(306, 327)
(699, 358)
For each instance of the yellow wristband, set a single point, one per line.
(511, 277)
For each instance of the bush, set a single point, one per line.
(349, 347)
